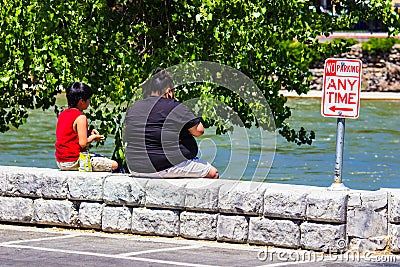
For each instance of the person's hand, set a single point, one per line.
(94, 132)
(96, 136)
(197, 130)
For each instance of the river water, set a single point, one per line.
(371, 152)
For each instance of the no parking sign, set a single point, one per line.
(341, 88)
(341, 99)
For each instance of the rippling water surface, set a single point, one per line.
(371, 153)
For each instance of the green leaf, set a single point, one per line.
(198, 17)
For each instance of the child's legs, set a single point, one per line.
(68, 166)
(100, 164)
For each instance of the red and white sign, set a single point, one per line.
(341, 88)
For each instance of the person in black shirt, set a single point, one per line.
(159, 133)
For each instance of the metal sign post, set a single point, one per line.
(337, 182)
(341, 99)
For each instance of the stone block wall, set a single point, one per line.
(381, 73)
(281, 215)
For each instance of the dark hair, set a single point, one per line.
(77, 91)
(160, 81)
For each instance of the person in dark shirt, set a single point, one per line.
(159, 133)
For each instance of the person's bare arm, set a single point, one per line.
(80, 126)
(197, 130)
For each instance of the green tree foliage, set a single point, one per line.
(114, 45)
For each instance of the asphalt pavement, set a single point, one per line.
(40, 246)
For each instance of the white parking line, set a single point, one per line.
(38, 239)
(131, 256)
(157, 250)
(165, 240)
(108, 256)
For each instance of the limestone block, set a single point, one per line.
(116, 219)
(368, 244)
(3, 181)
(165, 193)
(16, 209)
(327, 206)
(90, 214)
(55, 212)
(394, 206)
(282, 233)
(120, 189)
(365, 223)
(354, 200)
(198, 225)
(285, 203)
(367, 214)
(22, 182)
(373, 200)
(242, 197)
(394, 235)
(86, 185)
(232, 228)
(33, 182)
(155, 222)
(323, 237)
(52, 184)
(5, 171)
(202, 194)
